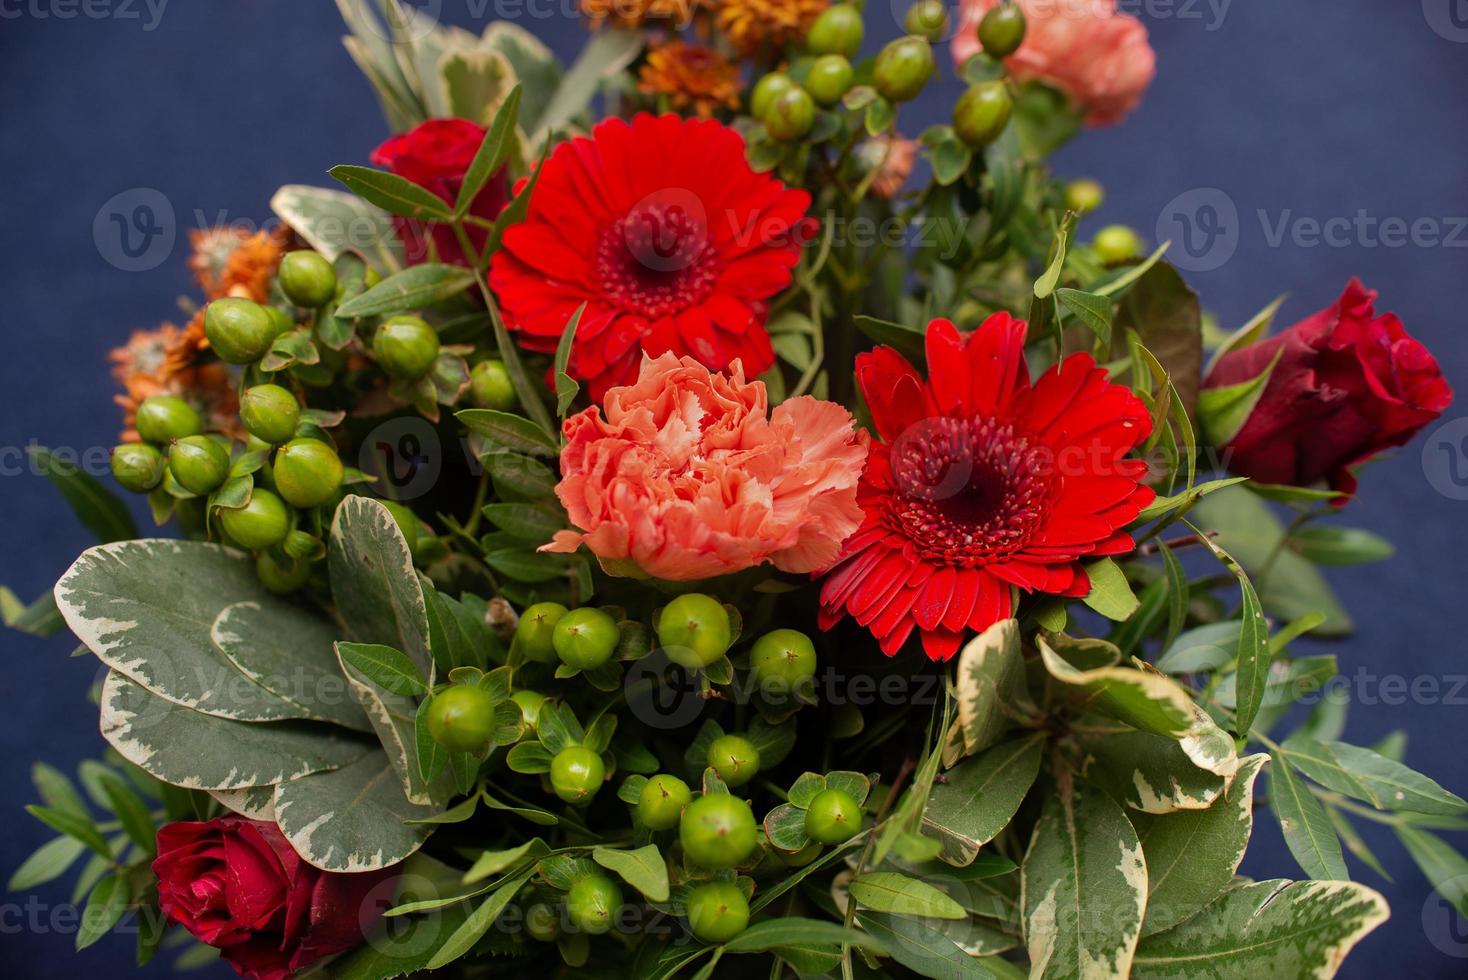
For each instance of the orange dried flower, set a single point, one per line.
(234, 262)
(636, 13)
(691, 76)
(751, 24)
(163, 361)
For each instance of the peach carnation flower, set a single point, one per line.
(1088, 49)
(687, 475)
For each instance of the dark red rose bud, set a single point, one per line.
(1344, 385)
(238, 885)
(436, 155)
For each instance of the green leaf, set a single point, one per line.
(1111, 595)
(412, 289)
(1326, 545)
(1202, 649)
(334, 223)
(1166, 316)
(351, 819)
(41, 618)
(1247, 335)
(1085, 886)
(785, 827)
(519, 477)
(887, 891)
(1443, 866)
(1364, 775)
(491, 863)
(534, 523)
(907, 341)
(1307, 830)
(478, 922)
(507, 431)
(131, 811)
(186, 747)
(394, 194)
(374, 583)
(795, 931)
(1267, 929)
(1045, 285)
(643, 869)
(1192, 856)
(102, 513)
(48, 863)
(981, 797)
(1092, 310)
(607, 53)
(105, 908)
(991, 685)
(492, 154)
(566, 386)
(1224, 410)
(387, 668)
(1154, 773)
(402, 950)
(57, 791)
(1253, 653)
(80, 828)
(923, 946)
(473, 82)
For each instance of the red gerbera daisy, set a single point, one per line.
(667, 235)
(983, 482)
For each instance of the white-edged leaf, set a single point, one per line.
(374, 583)
(980, 796)
(990, 680)
(334, 222)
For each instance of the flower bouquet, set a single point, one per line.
(660, 520)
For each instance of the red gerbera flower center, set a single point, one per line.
(970, 491)
(656, 260)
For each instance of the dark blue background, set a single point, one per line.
(1315, 109)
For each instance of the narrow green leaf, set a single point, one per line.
(412, 289)
(388, 668)
(887, 891)
(492, 153)
(102, 513)
(1326, 545)
(1092, 310)
(73, 826)
(394, 194)
(479, 922)
(136, 820)
(1365, 775)
(105, 908)
(1442, 865)
(1307, 830)
(793, 930)
(566, 386)
(49, 862)
(509, 431)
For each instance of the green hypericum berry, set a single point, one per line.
(782, 660)
(490, 386)
(661, 802)
(307, 472)
(406, 347)
(1084, 196)
(791, 116)
(717, 831)
(164, 418)
(262, 523)
(767, 90)
(585, 638)
(576, 773)
(838, 30)
(406, 520)
(802, 857)
(833, 817)
(694, 630)
(928, 19)
(270, 413)
(828, 79)
(1117, 243)
(530, 703)
(239, 330)
(199, 464)
(903, 67)
(307, 278)
(592, 902)
(981, 113)
(282, 578)
(535, 635)
(137, 466)
(734, 758)
(461, 718)
(1002, 30)
(717, 911)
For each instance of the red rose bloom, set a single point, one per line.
(1347, 385)
(673, 243)
(981, 483)
(436, 155)
(238, 885)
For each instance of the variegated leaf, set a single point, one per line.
(374, 583)
(981, 796)
(1150, 773)
(395, 719)
(1300, 929)
(252, 802)
(289, 652)
(334, 222)
(1192, 857)
(990, 678)
(1084, 888)
(351, 819)
(199, 751)
(147, 608)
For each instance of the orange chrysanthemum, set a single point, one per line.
(691, 76)
(753, 23)
(636, 13)
(234, 262)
